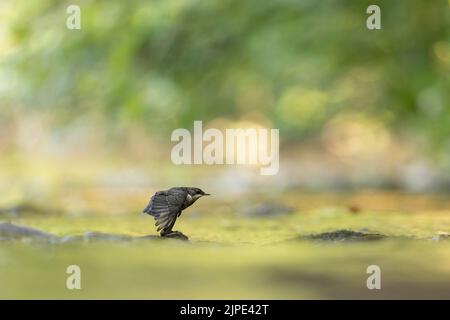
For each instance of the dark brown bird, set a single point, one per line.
(166, 206)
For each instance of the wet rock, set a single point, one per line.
(99, 236)
(149, 237)
(176, 235)
(9, 231)
(13, 232)
(92, 236)
(345, 236)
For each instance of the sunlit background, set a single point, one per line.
(86, 115)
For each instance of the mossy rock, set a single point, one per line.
(345, 235)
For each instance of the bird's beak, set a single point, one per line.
(207, 194)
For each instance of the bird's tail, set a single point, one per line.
(149, 207)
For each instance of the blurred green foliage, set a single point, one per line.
(296, 64)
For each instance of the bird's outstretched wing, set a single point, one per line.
(165, 207)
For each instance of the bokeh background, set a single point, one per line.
(364, 115)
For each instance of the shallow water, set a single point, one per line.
(229, 256)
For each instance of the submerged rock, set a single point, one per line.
(344, 236)
(91, 236)
(9, 231)
(13, 232)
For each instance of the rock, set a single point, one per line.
(13, 232)
(99, 236)
(9, 231)
(345, 236)
(176, 235)
(149, 237)
(92, 236)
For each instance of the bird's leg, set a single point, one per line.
(169, 233)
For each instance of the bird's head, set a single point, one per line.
(196, 193)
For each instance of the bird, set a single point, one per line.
(166, 206)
